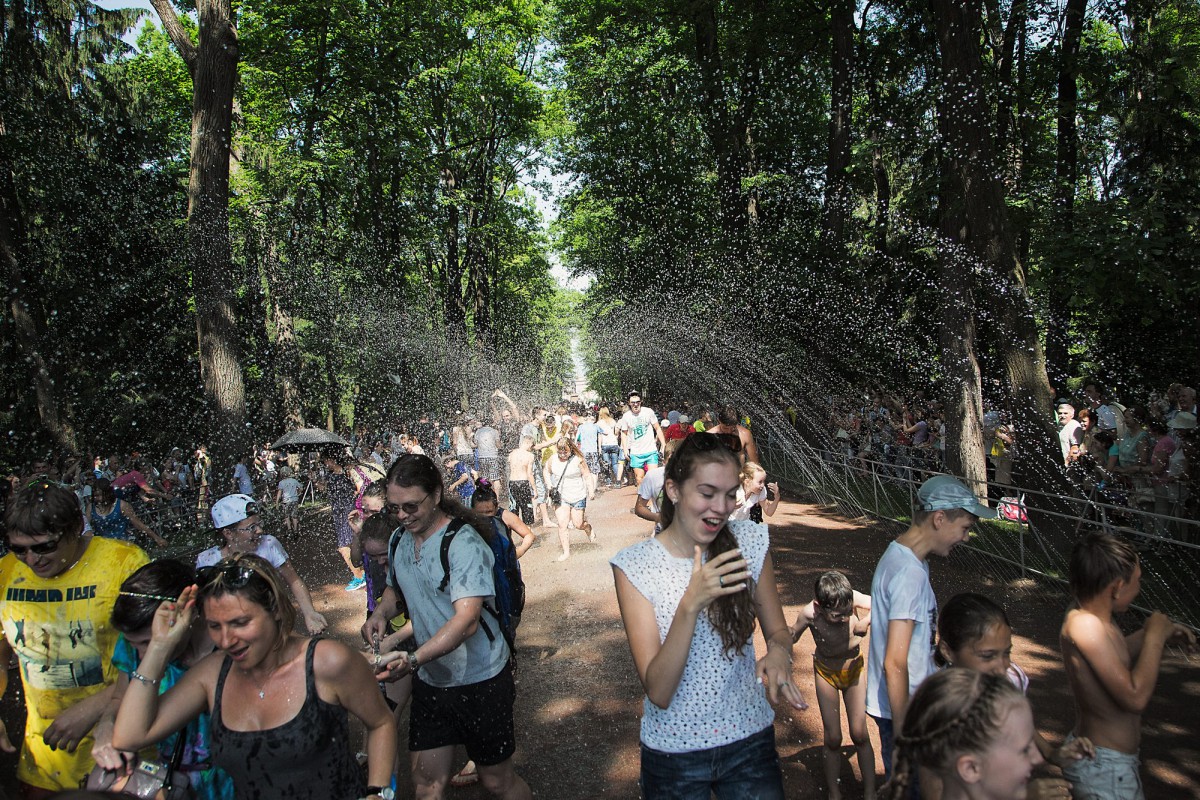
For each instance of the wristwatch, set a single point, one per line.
(384, 792)
(412, 662)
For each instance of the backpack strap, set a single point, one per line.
(452, 530)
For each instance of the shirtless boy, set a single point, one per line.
(1112, 676)
(521, 480)
(839, 618)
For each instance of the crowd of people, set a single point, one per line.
(215, 664)
(1140, 455)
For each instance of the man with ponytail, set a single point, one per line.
(689, 600)
(463, 689)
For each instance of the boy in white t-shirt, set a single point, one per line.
(641, 437)
(903, 606)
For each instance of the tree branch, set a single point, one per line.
(174, 28)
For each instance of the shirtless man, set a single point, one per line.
(1112, 675)
(730, 427)
(521, 479)
(839, 618)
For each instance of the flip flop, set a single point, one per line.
(464, 778)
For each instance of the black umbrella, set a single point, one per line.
(308, 438)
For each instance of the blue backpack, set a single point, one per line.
(506, 575)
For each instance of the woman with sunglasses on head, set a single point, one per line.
(689, 599)
(278, 701)
(59, 588)
(133, 615)
(239, 528)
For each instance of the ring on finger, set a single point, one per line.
(721, 581)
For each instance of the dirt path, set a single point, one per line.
(579, 701)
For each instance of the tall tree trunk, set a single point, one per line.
(963, 388)
(28, 315)
(213, 68)
(1066, 174)
(970, 143)
(841, 103)
(286, 353)
(725, 123)
(456, 316)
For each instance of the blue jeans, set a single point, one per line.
(742, 770)
(886, 744)
(611, 454)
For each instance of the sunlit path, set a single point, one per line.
(579, 701)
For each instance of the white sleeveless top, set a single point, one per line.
(719, 699)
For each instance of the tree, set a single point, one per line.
(212, 64)
(965, 121)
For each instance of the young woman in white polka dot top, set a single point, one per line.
(689, 599)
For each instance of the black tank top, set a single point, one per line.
(306, 758)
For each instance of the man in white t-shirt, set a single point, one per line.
(641, 437)
(903, 606)
(287, 493)
(1070, 433)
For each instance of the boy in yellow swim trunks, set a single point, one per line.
(839, 618)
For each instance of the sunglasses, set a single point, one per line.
(250, 529)
(39, 549)
(233, 574)
(409, 509)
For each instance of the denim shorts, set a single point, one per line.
(744, 770)
(1111, 775)
(581, 504)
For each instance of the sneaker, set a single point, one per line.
(356, 584)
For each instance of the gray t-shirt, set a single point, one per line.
(417, 577)
(487, 442)
(900, 590)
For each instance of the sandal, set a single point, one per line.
(587, 528)
(465, 778)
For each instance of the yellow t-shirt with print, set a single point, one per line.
(59, 628)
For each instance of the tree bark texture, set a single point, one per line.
(213, 68)
(726, 119)
(841, 104)
(1066, 174)
(969, 138)
(28, 315)
(963, 394)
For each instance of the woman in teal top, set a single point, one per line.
(133, 613)
(1133, 451)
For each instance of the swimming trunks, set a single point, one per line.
(840, 679)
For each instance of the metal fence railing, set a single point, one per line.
(1036, 545)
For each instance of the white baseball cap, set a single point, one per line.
(232, 509)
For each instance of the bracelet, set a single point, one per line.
(137, 676)
(412, 662)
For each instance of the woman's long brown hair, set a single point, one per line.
(732, 614)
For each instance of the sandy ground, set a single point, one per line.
(579, 700)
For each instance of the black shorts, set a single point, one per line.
(478, 716)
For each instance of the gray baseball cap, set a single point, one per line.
(942, 493)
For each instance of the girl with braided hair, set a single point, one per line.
(972, 731)
(689, 599)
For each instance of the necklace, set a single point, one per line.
(262, 687)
